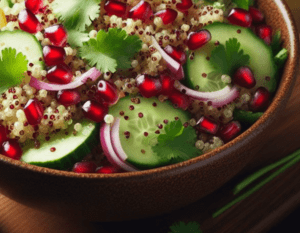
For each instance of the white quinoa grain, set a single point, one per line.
(78, 127)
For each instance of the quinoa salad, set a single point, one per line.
(111, 86)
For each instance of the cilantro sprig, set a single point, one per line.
(177, 144)
(111, 50)
(226, 59)
(243, 3)
(181, 227)
(76, 14)
(12, 68)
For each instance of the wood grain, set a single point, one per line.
(258, 213)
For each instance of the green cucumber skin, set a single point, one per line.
(137, 127)
(9, 35)
(74, 156)
(262, 64)
(246, 117)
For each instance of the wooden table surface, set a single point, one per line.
(258, 213)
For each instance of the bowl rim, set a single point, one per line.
(207, 157)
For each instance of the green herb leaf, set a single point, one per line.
(12, 68)
(281, 58)
(242, 3)
(276, 43)
(76, 14)
(246, 116)
(181, 227)
(226, 60)
(5, 3)
(111, 50)
(177, 144)
(76, 38)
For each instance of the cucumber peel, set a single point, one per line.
(69, 148)
(246, 116)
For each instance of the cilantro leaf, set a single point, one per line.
(111, 50)
(76, 38)
(177, 144)
(76, 14)
(12, 68)
(181, 227)
(227, 59)
(242, 3)
(246, 117)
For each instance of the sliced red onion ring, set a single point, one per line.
(179, 75)
(93, 74)
(218, 98)
(105, 139)
(226, 99)
(173, 65)
(116, 142)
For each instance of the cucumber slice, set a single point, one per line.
(69, 149)
(261, 59)
(144, 117)
(24, 43)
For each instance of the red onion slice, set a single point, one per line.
(226, 99)
(116, 142)
(179, 75)
(93, 74)
(218, 98)
(173, 65)
(105, 139)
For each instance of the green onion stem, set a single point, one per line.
(258, 186)
(250, 179)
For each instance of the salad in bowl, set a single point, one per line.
(109, 86)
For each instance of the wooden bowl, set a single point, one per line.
(124, 196)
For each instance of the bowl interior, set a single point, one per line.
(279, 17)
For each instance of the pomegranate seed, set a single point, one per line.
(34, 5)
(3, 134)
(240, 17)
(141, 11)
(53, 55)
(260, 100)
(61, 74)
(68, 97)
(196, 40)
(84, 167)
(94, 110)
(257, 16)
(167, 85)
(168, 15)
(34, 111)
(176, 54)
(107, 92)
(244, 77)
(57, 35)
(108, 170)
(207, 125)
(147, 86)
(11, 149)
(115, 8)
(265, 32)
(184, 5)
(180, 100)
(28, 22)
(230, 131)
